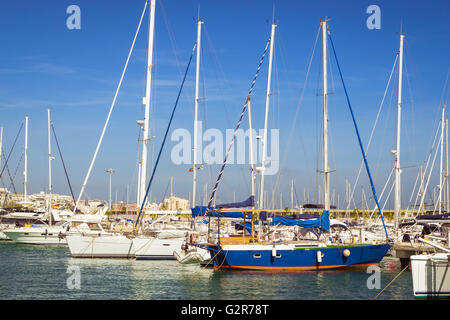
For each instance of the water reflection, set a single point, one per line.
(30, 272)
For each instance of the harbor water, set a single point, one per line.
(50, 273)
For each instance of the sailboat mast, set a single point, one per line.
(194, 149)
(292, 194)
(49, 169)
(446, 169)
(326, 171)
(25, 171)
(266, 117)
(441, 167)
(252, 164)
(397, 196)
(250, 143)
(146, 102)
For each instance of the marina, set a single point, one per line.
(161, 215)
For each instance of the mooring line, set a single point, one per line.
(391, 282)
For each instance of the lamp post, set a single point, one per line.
(110, 171)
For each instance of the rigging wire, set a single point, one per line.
(64, 165)
(140, 214)
(244, 108)
(12, 148)
(427, 162)
(291, 133)
(111, 109)
(359, 138)
(12, 178)
(374, 126)
(9, 175)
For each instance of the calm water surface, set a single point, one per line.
(41, 272)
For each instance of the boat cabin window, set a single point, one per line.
(257, 255)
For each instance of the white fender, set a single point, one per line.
(319, 256)
(274, 251)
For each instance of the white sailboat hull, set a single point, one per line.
(431, 275)
(103, 246)
(150, 248)
(38, 236)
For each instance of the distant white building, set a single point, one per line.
(175, 203)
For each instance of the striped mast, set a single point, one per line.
(266, 117)
(250, 92)
(196, 124)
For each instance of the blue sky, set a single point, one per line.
(75, 73)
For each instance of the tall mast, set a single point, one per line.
(126, 208)
(264, 140)
(49, 169)
(25, 171)
(197, 76)
(441, 167)
(252, 164)
(146, 102)
(326, 172)
(446, 169)
(292, 194)
(397, 196)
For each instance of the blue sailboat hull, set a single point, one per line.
(279, 257)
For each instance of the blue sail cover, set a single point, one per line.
(202, 210)
(250, 202)
(322, 222)
(263, 215)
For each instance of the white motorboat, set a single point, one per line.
(431, 273)
(40, 234)
(43, 234)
